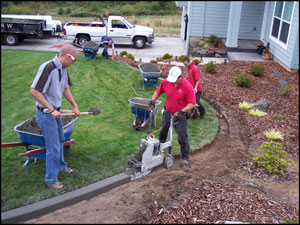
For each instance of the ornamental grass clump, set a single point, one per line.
(286, 90)
(167, 56)
(257, 113)
(273, 134)
(245, 105)
(130, 56)
(272, 158)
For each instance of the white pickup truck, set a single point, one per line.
(117, 27)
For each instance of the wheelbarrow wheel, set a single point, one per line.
(169, 161)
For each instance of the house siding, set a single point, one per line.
(291, 54)
(209, 18)
(252, 16)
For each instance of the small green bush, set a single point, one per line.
(272, 158)
(201, 43)
(182, 57)
(257, 70)
(129, 56)
(153, 61)
(286, 90)
(167, 56)
(196, 61)
(243, 80)
(213, 39)
(210, 67)
(60, 11)
(123, 53)
(278, 116)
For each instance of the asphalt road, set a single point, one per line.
(160, 46)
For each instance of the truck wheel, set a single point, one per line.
(11, 39)
(82, 39)
(139, 42)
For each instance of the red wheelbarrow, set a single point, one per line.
(29, 140)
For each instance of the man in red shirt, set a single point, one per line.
(195, 79)
(180, 99)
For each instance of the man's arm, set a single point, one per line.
(188, 107)
(41, 99)
(196, 86)
(69, 97)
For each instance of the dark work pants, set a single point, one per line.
(181, 128)
(200, 107)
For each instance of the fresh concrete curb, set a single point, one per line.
(48, 205)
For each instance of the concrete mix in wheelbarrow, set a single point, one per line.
(149, 67)
(32, 127)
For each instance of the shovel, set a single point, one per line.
(92, 111)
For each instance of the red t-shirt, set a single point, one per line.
(179, 97)
(194, 76)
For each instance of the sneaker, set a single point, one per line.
(184, 162)
(68, 170)
(56, 184)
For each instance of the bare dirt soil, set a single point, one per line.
(219, 184)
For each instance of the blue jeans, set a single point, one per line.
(105, 52)
(181, 128)
(54, 141)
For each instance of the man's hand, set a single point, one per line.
(55, 114)
(179, 114)
(76, 111)
(151, 104)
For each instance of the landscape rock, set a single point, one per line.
(261, 105)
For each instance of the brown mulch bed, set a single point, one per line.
(218, 202)
(221, 87)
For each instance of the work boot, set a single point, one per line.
(68, 170)
(56, 184)
(184, 162)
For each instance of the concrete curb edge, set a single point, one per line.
(48, 205)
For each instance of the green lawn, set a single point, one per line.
(103, 143)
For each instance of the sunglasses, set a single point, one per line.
(72, 57)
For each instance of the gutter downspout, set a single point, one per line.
(187, 41)
(204, 14)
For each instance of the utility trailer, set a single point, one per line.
(14, 30)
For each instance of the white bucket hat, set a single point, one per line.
(174, 73)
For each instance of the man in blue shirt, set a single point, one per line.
(108, 42)
(51, 82)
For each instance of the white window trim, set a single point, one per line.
(276, 40)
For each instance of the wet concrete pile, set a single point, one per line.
(149, 68)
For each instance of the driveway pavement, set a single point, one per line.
(158, 48)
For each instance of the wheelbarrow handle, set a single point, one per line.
(43, 149)
(13, 144)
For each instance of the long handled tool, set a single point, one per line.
(91, 111)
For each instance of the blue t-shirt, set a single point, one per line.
(105, 39)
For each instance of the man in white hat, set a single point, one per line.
(180, 99)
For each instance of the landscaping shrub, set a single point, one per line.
(123, 53)
(201, 43)
(272, 158)
(153, 61)
(213, 39)
(257, 113)
(167, 56)
(243, 80)
(286, 90)
(129, 56)
(245, 105)
(278, 116)
(182, 57)
(196, 61)
(257, 70)
(210, 67)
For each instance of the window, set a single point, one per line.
(281, 23)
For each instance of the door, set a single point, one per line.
(120, 33)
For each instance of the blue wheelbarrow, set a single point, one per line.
(149, 78)
(29, 140)
(140, 108)
(90, 49)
